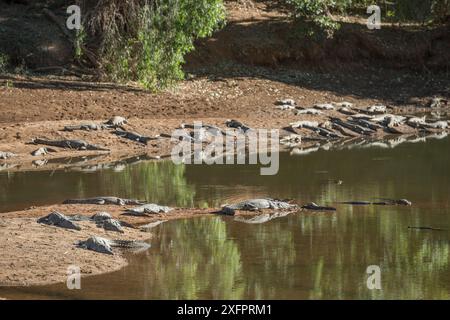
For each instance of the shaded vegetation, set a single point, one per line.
(317, 15)
(146, 40)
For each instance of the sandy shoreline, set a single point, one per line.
(16, 139)
(36, 254)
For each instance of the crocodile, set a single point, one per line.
(437, 103)
(366, 124)
(401, 202)
(87, 127)
(347, 111)
(146, 209)
(285, 102)
(313, 206)
(357, 203)
(304, 123)
(353, 127)
(103, 245)
(343, 104)
(309, 111)
(285, 107)
(237, 125)
(6, 155)
(210, 129)
(391, 120)
(426, 228)
(42, 152)
(101, 216)
(435, 125)
(110, 225)
(377, 109)
(416, 122)
(59, 220)
(324, 132)
(255, 205)
(324, 106)
(104, 201)
(104, 220)
(133, 136)
(69, 144)
(116, 122)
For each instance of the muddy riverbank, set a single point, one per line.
(37, 254)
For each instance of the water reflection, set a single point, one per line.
(300, 256)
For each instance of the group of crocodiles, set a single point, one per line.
(104, 219)
(359, 122)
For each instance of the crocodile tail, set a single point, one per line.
(125, 244)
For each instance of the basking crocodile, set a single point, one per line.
(237, 125)
(255, 205)
(285, 102)
(6, 155)
(343, 104)
(309, 111)
(103, 245)
(435, 125)
(347, 111)
(110, 225)
(86, 127)
(437, 102)
(103, 220)
(367, 124)
(104, 201)
(377, 109)
(116, 122)
(324, 106)
(210, 129)
(69, 144)
(304, 123)
(59, 220)
(315, 207)
(353, 127)
(42, 152)
(113, 123)
(146, 209)
(133, 136)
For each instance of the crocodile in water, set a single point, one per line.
(104, 201)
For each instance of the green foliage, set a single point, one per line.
(79, 42)
(146, 40)
(316, 15)
(4, 62)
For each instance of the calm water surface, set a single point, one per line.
(301, 256)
